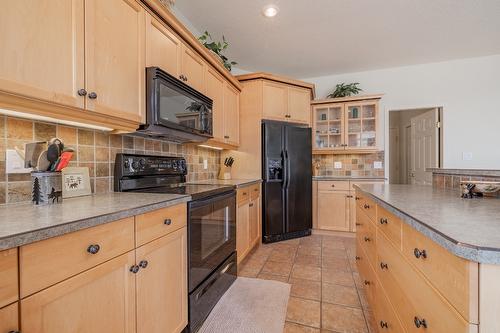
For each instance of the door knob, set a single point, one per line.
(134, 269)
(167, 222)
(420, 322)
(93, 249)
(143, 263)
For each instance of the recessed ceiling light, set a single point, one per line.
(270, 11)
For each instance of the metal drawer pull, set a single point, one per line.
(358, 224)
(366, 206)
(357, 258)
(333, 185)
(367, 283)
(167, 222)
(134, 269)
(383, 220)
(143, 263)
(92, 95)
(93, 249)
(82, 92)
(420, 253)
(384, 324)
(250, 205)
(357, 198)
(367, 239)
(420, 322)
(383, 266)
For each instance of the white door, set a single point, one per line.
(424, 146)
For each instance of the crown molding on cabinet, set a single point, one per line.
(277, 78)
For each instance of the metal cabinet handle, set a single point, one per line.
(420, 253)
(357, 258)
(420, 322)
(14, 332)
(143, 264)
(134, 269)
(92, 95)
(367, 239)
(384, 324)
(383, 266)
(250, 205)
(226, 136)
(367, 283)
(358, 224)
(366, 206)
(357, 198)
(167, 222)
(82, 92)
(93, 248)
(333, 185)
(383, 220)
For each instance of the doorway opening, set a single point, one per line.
(415, 144)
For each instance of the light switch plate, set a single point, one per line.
(467, 156)
(14, 163)
(205, 164)
(337, 165)
(377, 165)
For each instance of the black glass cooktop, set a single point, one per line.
(196, 191)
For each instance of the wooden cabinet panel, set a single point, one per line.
(254, 191)
(43, 50)
(193, 68)
(114, 55)
(385, 315)
(159, 223)
(9, 318)
(299, 105)
(231, 115)
(215, 90)
(366, 236)
(45, 263)
(412, 296)
(242, 231)
(333, 210)
(9, 292)
(352, 213)
(162, 293)
(99, 300)
(367, 274)
(253, 221)
(390, 225)
(367, 206)
(242, 195)
(455, 278)
(163, 48)
(274, 101)
(333, 185)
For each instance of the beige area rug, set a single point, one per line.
(250, 306)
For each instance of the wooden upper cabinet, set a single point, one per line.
(101, 299)
(215, 90)
(231, 115)
(114, 54)
(299, 105)
(275, 101)
(162, 292)
(163, 47)
(43, 50)
(193, 69)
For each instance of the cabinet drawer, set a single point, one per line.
(366, 237)
(367, 274)
(9, 318)
(455, 278)
(366, 204)
(385, 315)
(415, 301)
(48, 262)
(254, 191)
(8, 277)
(390, 225)
(243, 195)
(324, 185)
(158, 223)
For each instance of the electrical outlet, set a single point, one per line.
(337, 165)
(205, 164)
(377, 165)
(14, 163)
(467, 156)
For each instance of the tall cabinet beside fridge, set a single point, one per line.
(287, 181)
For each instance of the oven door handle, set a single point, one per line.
(215, 278)
(218, 197)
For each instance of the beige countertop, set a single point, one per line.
(238, 183)
(348, 178)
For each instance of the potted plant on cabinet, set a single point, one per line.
(218, 48)
(345, 90)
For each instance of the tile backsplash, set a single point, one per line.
(352, 164)
(93, 149)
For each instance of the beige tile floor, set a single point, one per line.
(326, 295)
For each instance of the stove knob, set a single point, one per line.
(174, 165)
(183, 165)
(135, 165)
(142, 162)
(126, 164)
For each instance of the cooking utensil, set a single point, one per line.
(64, 160)
(43, 164)
(54, 151)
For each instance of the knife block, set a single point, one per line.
(224, 172)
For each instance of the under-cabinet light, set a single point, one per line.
(210, 147)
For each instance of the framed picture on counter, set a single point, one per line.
(75, 182)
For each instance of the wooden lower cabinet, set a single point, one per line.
(248, 222)
(253, 219)
(333, 210)
(8, 277)
(101, 299)
(242, 231)
(385, 316)
(162, 284)
(9, 318)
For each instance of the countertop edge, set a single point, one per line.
(249, 183)
(465, 172)
(73, 226)
(326, 178)
(466, 251)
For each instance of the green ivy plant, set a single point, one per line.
(345, 90)
(218, 48)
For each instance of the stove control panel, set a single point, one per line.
(143, 165)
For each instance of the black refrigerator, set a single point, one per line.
(287, 181)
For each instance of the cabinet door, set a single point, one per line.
(352, 212)
(163, 48)
(193, 69)
(9, 318)
(43, 49)
(215, 90)
(361, 125)
(275, 100)
(242, 230)
(114, 55)
(162, 293)
(231, 115)
(101, 299)
(9, 277)
(328, 127)
(254, 220)
(299, 105)
(333, 210)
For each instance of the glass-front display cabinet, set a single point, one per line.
(346, 125)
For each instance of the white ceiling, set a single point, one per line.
(312, 38)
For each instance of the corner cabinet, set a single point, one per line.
(346, 125)
(284, 102)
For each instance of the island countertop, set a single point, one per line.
(237, 183)
(26, 223)
(469, 228)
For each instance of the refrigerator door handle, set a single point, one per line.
(286, 167)
(285, 171)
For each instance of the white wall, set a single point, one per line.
(468, 90)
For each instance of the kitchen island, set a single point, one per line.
(430, 259)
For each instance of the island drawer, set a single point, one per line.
(455, 278)
(366, 237)
(153, 225)
(366, 204)
(385, 315)
(254, 191)
(48, 262)
(367, 274)
(390, 225)
(338, 185)
(417, 303)
(9, 318)
(8, 277)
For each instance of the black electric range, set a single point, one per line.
(211, 225)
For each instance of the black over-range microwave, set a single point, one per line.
(174, 110)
